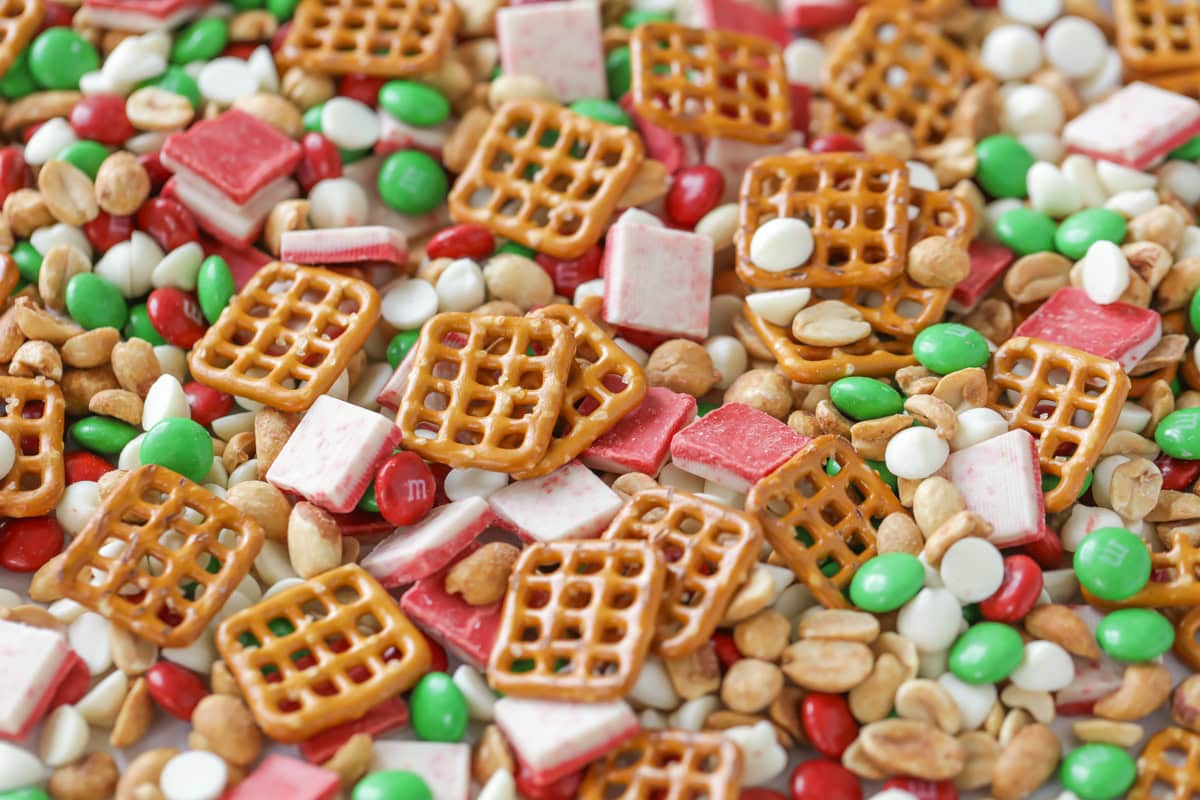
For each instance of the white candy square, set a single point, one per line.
(569, 503)
(30, 660)
(555, 739)
(446, 767)
(1001, 481)
(658, 280)
(557, 42)
(331, 457)
(413, 551)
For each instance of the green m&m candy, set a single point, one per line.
(177, 81)
(602, 111)
(29, 261)
(214, 287)
(414, 103)
(203, 40)
(987, 653)
(1025, 231)
(18, 81)
(1098, 772)
(1003, 163)
(1135, 634)
(948, 347)
(1084, 228)
(399, 346)
(59, 57)
(412, 182)
(392, 784)
(618, 68)
(1194, 312)
(439, 710)
(1112, 563)
(1178, 434)
(179, 444)
(103, 435)
(1188, 151)
(86, 155)
(95, 303)
(887, 582)
(140, 326)
(865, 398)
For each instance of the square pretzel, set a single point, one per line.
(1156, 36)
(603, 385)
(1044, 388)
(925, 9)
(1171, 757)
(578, 620)
(822, 523)
(877, 356)
(33, 415)
(667, 764)
(160, 556)
(322, 653)
(709, 550)
(546, 177)
(856, 205)
(1186, 83)
(893, 65)
(717, 83)
(486, 391)
(286, 336)
(19, 22)
(384, 38)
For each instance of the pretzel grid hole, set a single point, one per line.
(22, 418)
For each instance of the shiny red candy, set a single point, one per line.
(567, 274)
(1178, 475)
(167, 222)
(153, 165)
(835, 143)
(461, 241)
(726, 649)
(438, 662)
(176, 316)
(176, 690)
(404, 488)
(240, 50)
(565, 788)
(1020, 589)
(828, 723)
(84, 466)
(57, 15)
(206, 403)
(924, 790)
(694, 192)
(1047, 550)
(101, 118)
(360, 87)
(824, 780)
(320, 159)
(27, 544)
(106, 230)
(14, 172)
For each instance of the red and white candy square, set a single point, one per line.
(569, 503)
(445, 766)
(742, 17)
(32, 663)
(989, 262)
(1000, 480)
(344, 245)
(139, 16)
(280, 776)
(1120, 332)
(735, 446)
(657, 280)
(331, 457)
(468, 632)
(1135, 126)
(641, 440)
(557, 42)
(414, 551)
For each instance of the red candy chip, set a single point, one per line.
(177, 690)
(319, 160)
(1178, 475)
(241, 50)
(14, 172)
(27, 544)
(57, 15)
(206, 403)
(438, 662)
(153, 165)
(176, 316)
(461, 241)
(565, 788)
(85, 466)
(824, 780)
(828, 723)
(1020, 589)
(835, 143)
(694, 192)
(924, 790)
(726, 649)
(106, 230)
(404, 488)
(168, 223)
(568, 274)
(101, 118)
(360, 87)
(1047, 551)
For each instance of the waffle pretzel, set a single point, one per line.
(1157, 36)
(710, 82)
(709, 549)
(20, 21)
(603, 385)
(546, 177)
(384, 38)
(893, 65)
(1186, 83)
(1186, 646)
(33, 416)
(876, 356)
(823, 525)
(288, 325)
(486, 391)
(667, 765)
(322, 653)
(578, 620)
(1156, 768)
(1043, 388)
(941, 214)
(924, 9)
(856, 205)
(145, 558)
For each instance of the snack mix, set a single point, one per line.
(599, 399)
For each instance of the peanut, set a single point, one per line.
(122, 184)
(90, 776)
(913, 748)
(899, 534)
(36, 359)
(827, 666)
(750, 685)
(1035, 277)
(1025, 763)
(872, 699)
(91, 348)
(829, 323)
(68, 192)
(764, 635)
(1145, 688)
(290, 215)
(143, 773)
(696, 674)
(938, 262)
(764, 389)
(135, 365)
(314, 540)
(926, 701)
(682, 366)
(840, 625)
(276, 111)
(119, 403)
(226, 724)
(153, 109)
(26, 211)
(352, 760)
(936, 500)
(61, 263)
(482, 577)
(135, 716)
(271, 431)
(1121, 734)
